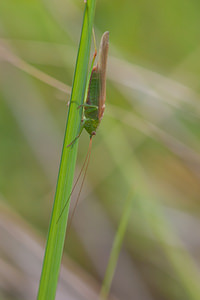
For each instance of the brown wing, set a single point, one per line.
(102, 64)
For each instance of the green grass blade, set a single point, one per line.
(116, 248)
(151, 212)
(56, 235)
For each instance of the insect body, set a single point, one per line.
(93, 108)
(96, 94)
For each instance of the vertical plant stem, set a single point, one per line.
(57, 230)
(115, 251)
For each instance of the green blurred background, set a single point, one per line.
(148, 143)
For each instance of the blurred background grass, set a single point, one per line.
(148, 142)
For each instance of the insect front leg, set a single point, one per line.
(74, 140)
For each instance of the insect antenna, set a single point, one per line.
(83, 180)
(77, 180)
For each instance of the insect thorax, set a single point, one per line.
(90, 125)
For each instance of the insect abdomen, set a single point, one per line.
(93, 95)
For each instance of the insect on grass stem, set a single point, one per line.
(94, 105)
